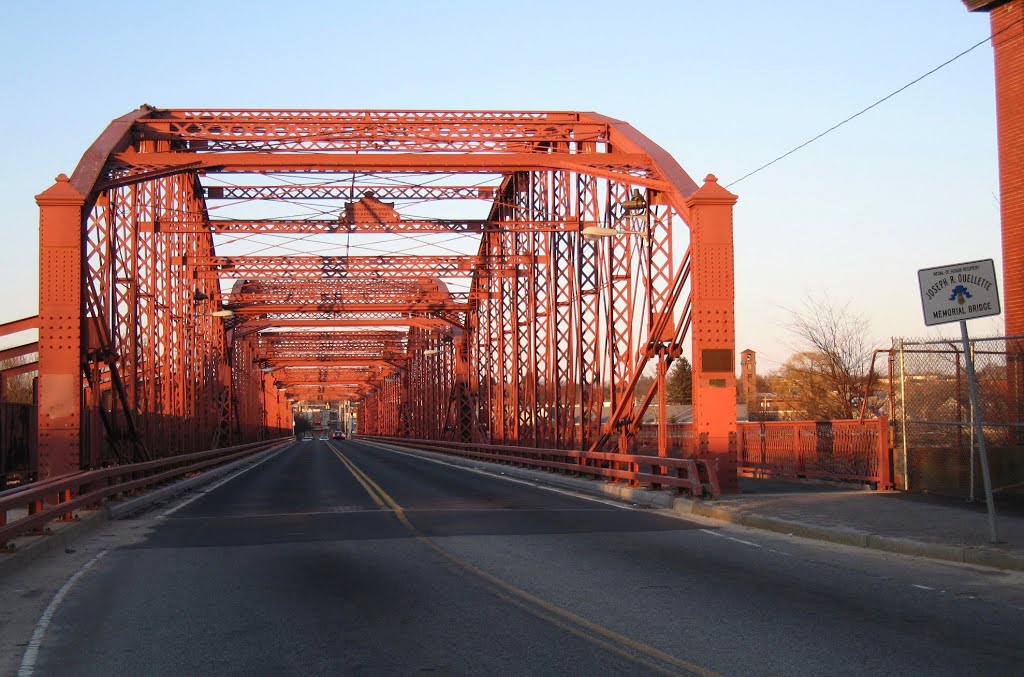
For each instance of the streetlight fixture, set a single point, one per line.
(222, 313)
(634, 204)
(597, 232)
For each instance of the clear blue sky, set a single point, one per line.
(723, 86)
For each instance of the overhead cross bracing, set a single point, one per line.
(381, 191)
(340, 289)
(392, 267)
(503, 277)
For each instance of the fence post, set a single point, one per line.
(903, 416)
(885, 474)
(798, 452)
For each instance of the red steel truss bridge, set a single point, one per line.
(480, 279)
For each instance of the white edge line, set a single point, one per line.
(922, 587)
(28, 662)
(210, 488)
(723, 536)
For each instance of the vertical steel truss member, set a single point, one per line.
(153, 342)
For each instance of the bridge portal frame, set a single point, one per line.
(559, 168)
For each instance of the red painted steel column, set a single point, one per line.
(713, 327)
(60, 328)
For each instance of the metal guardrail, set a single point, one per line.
(54, 498)
(682, 473)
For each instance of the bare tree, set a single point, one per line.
(643, 386)
(832, 357)
(19, 388)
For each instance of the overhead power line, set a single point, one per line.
(876, 103)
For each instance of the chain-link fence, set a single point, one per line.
(935, 442)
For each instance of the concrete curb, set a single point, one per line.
(61, 536)
(965, 554)
(977, 555)
(64, 534)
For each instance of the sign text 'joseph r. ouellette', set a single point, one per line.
(961, 291)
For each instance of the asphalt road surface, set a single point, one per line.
(347, 558)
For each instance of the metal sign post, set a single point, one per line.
(979, 427)
(961, 292)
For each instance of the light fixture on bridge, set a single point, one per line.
(267, 370)
(222, 313)
(198, 295)
(635, 203)
(597, 232)
(430, 351)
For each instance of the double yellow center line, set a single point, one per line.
(657, 661)
(378, 495)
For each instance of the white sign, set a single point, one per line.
(962, 291)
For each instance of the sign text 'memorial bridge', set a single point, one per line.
(498, 278)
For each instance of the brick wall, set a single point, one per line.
(1008, 45)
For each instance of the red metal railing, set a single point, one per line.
(845, 450)
(842, 450)
(54, 498)
(695, 475)
(849, 450)
(680, 438)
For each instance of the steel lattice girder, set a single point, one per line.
(279, 226)
(545, 348)
(635, 168)
(321, 267)
(329, 291)
(275, 306)
(350, 192)
(371, 130)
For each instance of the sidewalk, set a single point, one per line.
(896, 522)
